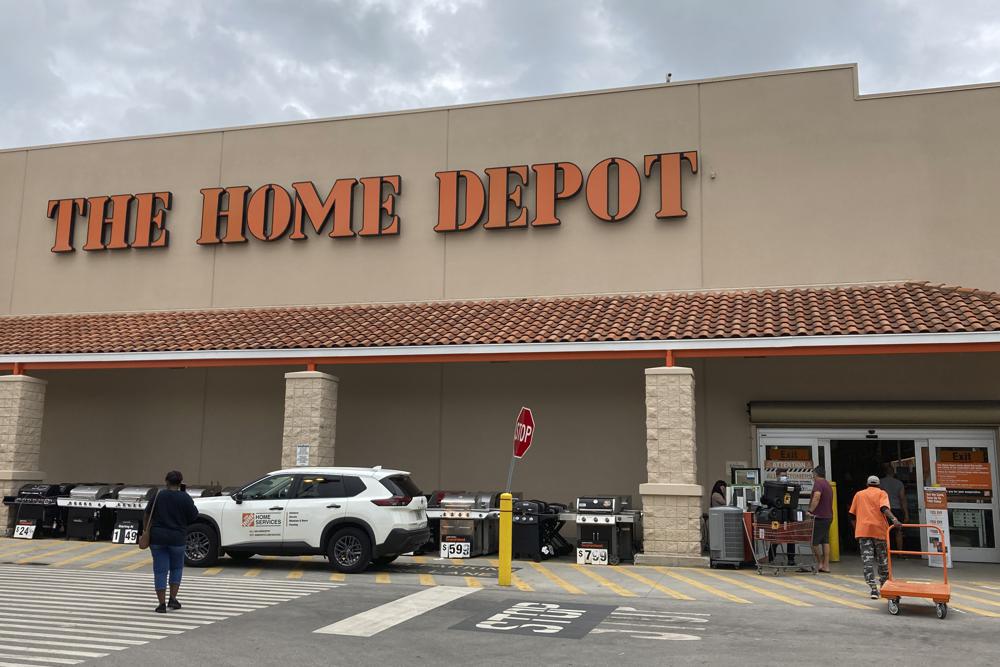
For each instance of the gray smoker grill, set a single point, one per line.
(90, 513)
(130, 510)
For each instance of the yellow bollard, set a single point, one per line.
(834, 531)
(506, 528)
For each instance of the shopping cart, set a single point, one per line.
(770, 536)
(894, 589)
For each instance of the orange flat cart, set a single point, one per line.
(894, 589)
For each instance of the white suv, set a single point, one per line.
(354, 516)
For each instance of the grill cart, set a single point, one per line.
(894, 589)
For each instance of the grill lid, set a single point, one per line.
(91, 492)
(38, 491)
(203, 491)
(136, 494)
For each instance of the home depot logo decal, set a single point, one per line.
(271, 212)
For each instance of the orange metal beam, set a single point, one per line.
(669, 357)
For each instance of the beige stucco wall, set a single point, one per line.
(450, 425)
(801, 182)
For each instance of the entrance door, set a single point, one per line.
(967, 468)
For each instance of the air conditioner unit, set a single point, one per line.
(725, 536)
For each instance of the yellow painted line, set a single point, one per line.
(857, 581)
(253, 573)
(976, 610)
(761, 591)
(808, 591)
(986, 591)
(54, 552)
(139, 563)
(295, 574)
(382, 578)
(652, 584)
(703, 587)
(834, 587)
(338, 576)
(962, 597)
(419, 559)
(106, 547)
(518, 583)
(124, 554)
(556, 579)
(25, 546)
(427, 580)
(457, 561)
(472, 582)
(211, 572)
(607, 583)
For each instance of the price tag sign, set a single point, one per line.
(25, 530)
(451, 549)
(125, 533)
(586, 556)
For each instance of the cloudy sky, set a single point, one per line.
(88, 69)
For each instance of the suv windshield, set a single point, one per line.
(269, 488)
(401, 485)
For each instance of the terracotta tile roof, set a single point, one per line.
(898, 308)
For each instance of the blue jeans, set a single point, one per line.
(167, 559)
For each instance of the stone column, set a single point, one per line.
(310, 418)
(22, 406)
(671, 498)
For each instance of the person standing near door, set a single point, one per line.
(897, 498)
(821, 508)
(869, 512)
(172, 512)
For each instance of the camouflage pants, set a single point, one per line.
(873, 551)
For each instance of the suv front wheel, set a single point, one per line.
(201, 548)
(350, 550)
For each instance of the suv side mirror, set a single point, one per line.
(238, 497)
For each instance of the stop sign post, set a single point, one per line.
(524, 433)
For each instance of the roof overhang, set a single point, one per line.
(667, 350)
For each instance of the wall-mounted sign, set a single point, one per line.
(272, 212)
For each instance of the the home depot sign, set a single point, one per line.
(273, 212)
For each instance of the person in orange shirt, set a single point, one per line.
(869, 513)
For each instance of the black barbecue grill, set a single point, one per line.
(536, 526)
(608, 530)
(130, 510)
(90, 514)
(36, 510)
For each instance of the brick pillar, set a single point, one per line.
(310, 417)
(22, 406)
(671, 498)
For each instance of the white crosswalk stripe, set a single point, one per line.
(66, 617)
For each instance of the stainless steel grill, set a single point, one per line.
(468, 523)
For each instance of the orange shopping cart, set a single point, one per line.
(894, 589)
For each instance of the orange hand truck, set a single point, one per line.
(894, 589)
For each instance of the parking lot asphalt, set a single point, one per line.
(67, 602)
(975, 589)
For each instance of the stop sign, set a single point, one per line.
(524, 430)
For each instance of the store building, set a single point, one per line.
(676, 278)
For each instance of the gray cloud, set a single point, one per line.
(103, 68)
